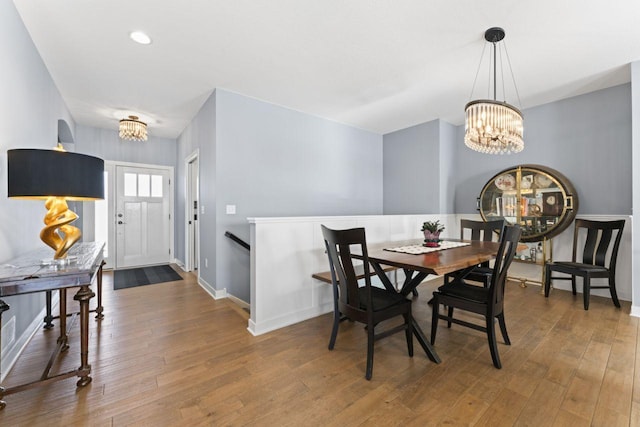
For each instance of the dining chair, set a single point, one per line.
(599, 241)
(478, 230)
(488, 301)
(366, 304)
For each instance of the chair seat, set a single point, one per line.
(382, 299)
(462, 290)
(573, 266)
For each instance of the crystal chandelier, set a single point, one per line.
(492, 126)
(133, 129)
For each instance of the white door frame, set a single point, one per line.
(111, 167)
(188, 211)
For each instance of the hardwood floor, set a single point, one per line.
(168, 354)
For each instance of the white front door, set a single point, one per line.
(142, 216)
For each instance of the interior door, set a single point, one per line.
(142, 216)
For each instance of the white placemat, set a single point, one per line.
(419, 249)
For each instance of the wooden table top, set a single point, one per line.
(27, 273)
(438, 262)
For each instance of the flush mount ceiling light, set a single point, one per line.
(493, 126)
(133, 129)
(140, 37)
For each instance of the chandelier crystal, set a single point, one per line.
(133, 129)
(492, 126)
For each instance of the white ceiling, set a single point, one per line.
(379, 65)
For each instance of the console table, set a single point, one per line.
(27, 274)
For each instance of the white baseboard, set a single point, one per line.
(215, 293)
(635, 311)
(179, 264)
(241, 303)
(287, 319)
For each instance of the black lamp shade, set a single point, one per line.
(36, 173)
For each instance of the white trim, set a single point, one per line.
(195, 155)
(215, 293)
(179, 263)
(238, 301)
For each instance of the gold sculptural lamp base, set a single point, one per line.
(57, 233)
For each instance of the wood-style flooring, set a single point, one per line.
(169, 355)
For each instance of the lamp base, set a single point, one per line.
(57, 233)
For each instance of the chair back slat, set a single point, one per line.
(480, 230)
(598, 241)
(338, 244)
(508, 246)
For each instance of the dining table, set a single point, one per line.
(417, 262)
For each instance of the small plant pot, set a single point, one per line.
(431, 239)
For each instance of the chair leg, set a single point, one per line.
(493, 345)
(450, 315)
(503, 328)
(370, 340)
(435, 309)
(547, 280)
(334, 330)
(586, 290)
(573, 284)
(409, 333)
(612, 288)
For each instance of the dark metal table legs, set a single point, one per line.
(3, 307)
(411, 282)
(83, 296)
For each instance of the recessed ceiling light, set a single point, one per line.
(140, 37)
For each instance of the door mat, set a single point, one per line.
(143, 276)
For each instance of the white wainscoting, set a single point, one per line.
(285, 252)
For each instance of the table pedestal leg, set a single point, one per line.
(83, 296)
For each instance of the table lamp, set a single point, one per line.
(55, 176)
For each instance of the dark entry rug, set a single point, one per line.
(143, 276)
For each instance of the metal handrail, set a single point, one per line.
(238, 240)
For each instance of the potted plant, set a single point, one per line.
(432, 230)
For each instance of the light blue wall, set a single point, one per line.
(30, 107)
(106, 144)
(448, 156)
(412, 170)
(587, 138)
(199, 136)
(271, 161)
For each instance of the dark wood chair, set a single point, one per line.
(365, 304)
(478, 230)
(488, 301)
(600, 238)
